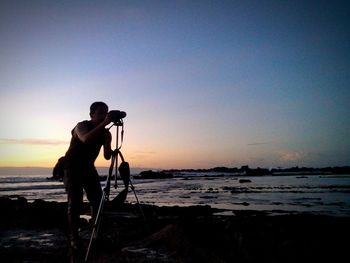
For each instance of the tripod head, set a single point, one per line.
(118, 123)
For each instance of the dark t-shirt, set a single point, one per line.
(83, 155)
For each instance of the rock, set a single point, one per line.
(34, 232)
(244, 181)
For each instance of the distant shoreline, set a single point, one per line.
(243, 171)
(246, 169)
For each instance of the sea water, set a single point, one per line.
(320, 194)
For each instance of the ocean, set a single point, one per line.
(317, 194)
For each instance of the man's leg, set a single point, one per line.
(93, 191)
(74, 199)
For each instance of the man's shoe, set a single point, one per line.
(75, 243)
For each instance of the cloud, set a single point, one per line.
(291, 156)
(257, 143)
(142, 155)
(33, 141)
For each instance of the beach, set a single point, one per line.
(36, 232)
(193, 217)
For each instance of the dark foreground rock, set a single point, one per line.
(154, 175)
(36, 232)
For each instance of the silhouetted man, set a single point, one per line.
(79, 170)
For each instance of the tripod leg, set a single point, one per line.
(139, 205)
(104, 198)
(96, 225)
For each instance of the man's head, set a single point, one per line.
(98, 111)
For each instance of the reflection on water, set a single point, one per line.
(324, 194)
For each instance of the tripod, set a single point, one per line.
(106, 189)
(124, 171)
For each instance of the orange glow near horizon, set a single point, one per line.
(47, 156)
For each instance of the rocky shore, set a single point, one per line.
(36, 232)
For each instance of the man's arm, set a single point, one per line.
(87, 136)
(107, 150)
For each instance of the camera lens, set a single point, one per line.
(117, 115)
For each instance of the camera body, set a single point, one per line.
(117, 115)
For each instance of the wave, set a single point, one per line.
(327, 194)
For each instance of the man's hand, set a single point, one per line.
(108, 119)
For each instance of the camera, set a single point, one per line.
(117, 115)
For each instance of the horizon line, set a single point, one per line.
(278, 167)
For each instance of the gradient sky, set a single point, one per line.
(204, 83)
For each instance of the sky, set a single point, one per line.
(203, 83)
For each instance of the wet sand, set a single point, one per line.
(36, 232)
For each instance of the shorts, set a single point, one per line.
(75, 182)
